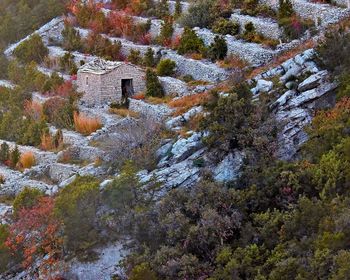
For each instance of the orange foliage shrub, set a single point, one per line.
(140, 96)
(46, 142)
(35, 234)
(185, 103)
(34, 110)
(86, 125)
(120, 24)
(27, 160)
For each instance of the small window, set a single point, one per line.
(87, 81)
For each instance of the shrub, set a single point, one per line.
(142, 272)
(198, 15)
(27, 160)
(334, 51)
(46, 143)
(67, 64)
(4, 152)
(148, 59)
(5, 254)
(190, 43)
(166, 33)
(76, 205)
(60, 111)
(225, 26)
(285, 9)
(15, 155)
(32, 49)
(166, 67)
(71, 39)
(26, 199)
(134, 57)
(218, 49)
(153, 85)
(86, 125)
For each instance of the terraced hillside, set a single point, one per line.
(231, 89)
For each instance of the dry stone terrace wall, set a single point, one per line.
(199, 70)
(322, 14)
(48, 32)
(253, 53)
(267, 27)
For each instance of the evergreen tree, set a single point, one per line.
(134, 57)
(58, 138)
(285, 9)
(32, 49)
(218, 49)
(15, 156)
(153, 85)
(178, 9)
(71, 39)
(4, 152)
(149, 60)
(190, 42)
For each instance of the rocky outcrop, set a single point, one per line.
(303, 88)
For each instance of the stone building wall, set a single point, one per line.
(105, 88)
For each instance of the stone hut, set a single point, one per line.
(102, 82)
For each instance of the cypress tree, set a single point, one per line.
(153, 85)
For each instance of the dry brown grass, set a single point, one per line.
(233, 62)
(86, 125)
(46, 142)
(196, 56)
(124, 112)
(140, 96)
(158, 100)
(187, 102)
(27, 160)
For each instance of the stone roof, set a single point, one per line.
(100, 66)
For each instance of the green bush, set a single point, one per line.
(190, 43)
(71, 39)
(153, 86)
(218, 49)
(76, 205)
(149, 59)
(5, 254)
(225, 26)
(32, 49)
(166, 67)
(67, 64)
(26, 199)
(134, 57)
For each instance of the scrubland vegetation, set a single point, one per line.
(280, 220)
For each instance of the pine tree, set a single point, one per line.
(71, 39)
(153, 85)
(149, 60)
(58, 139)
(14, 157)
(178, 9)
(4, 152)
(285, 9)
(218, 49)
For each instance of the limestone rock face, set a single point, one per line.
(229, 168)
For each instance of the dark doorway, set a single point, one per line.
(127, 89)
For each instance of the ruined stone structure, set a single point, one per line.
(102, 82)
